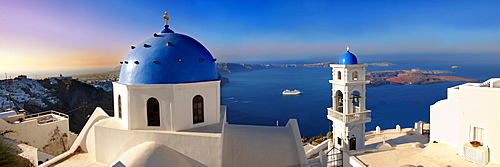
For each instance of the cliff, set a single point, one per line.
(72, 94)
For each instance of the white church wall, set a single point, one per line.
(249, 145)
(444, 119)
(121, 90)
(139, 94)
(358, 131)
(175, 104)
(202, 147)
(338, 131)
(86, 138)
(183, 104)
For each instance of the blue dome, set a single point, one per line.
(348, 59)
(168, 58)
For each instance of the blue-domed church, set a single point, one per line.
(167, 112)
(176, 76)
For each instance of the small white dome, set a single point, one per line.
(154, 154)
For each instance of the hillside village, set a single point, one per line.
(15, 93)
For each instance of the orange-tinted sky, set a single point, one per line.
(57, 34)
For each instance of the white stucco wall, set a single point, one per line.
(444, 119)
(121, 90)
(358, 130)
(183, 105)
(475, 107)
(176, 111)
(113, 142)
(86, 138)
(246, 145)
(38, 135)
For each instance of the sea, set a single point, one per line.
(254, 98)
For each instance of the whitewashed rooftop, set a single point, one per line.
(410, 150)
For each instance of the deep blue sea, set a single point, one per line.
(255, 97)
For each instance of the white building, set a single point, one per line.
(348, 114)
(47, 131)
(470, 113)
(168, 113)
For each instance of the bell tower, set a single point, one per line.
(348, 113)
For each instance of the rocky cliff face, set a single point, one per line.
(72, 94)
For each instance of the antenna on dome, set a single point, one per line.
(165, 16)
(347, 48)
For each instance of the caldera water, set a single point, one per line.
(255, 97)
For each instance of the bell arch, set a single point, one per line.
(355, 76)
(356, 99)
(339, 101)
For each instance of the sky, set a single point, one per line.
(60, 35)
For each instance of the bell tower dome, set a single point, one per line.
(348, 113)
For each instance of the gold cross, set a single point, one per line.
(165, 16)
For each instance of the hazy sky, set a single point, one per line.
(50, 34)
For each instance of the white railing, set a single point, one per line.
(47, 113)
(347, 118)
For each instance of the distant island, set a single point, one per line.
(397, 77)
(222, 68)
(413, 76)
(225, 68)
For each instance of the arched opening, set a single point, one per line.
(153, 112)
(356, 97)
(339, 101)
(198, 109)
(119, 106)
(339, 75)
(355, 76)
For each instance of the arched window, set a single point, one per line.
(339, 75)
(355, 76)
(198, 109)
(153, 111)
(119, 106)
